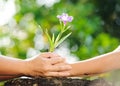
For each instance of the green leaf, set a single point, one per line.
(50, 40)
(67, 28)
(53, 38)
(58, 37)
(41, 28)
(62, 39)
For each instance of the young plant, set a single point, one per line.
(56, 41)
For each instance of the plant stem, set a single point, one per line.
(52, 49)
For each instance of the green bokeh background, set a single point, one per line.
(95, 28)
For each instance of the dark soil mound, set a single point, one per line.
(56, 82)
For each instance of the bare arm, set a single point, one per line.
(97, 65)
(11, 67)
(45, 64)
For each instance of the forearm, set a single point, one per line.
(11, 66)
(84, 68)
(96, 65)
(2, 78)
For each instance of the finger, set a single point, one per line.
(58, 74)
(60, 64)
(49, 55)
(59, 68)
(57, 60)
(45, 55)
(36, 74)
(55, 55)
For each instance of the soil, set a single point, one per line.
(41, 81)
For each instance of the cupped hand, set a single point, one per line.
(47, 64)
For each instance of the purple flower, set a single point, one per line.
(65, 18)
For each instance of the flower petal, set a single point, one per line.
(65, 18)
(70, 18)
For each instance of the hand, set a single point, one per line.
(47, 64)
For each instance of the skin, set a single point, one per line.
(97, 65)
(53, 65)
(45, 64)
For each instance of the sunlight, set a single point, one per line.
(7, 11)
(47, 3)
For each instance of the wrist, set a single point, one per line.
(24, 70)
(73, 71)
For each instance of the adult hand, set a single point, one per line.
(46, 64)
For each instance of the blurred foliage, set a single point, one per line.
(95, 28)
